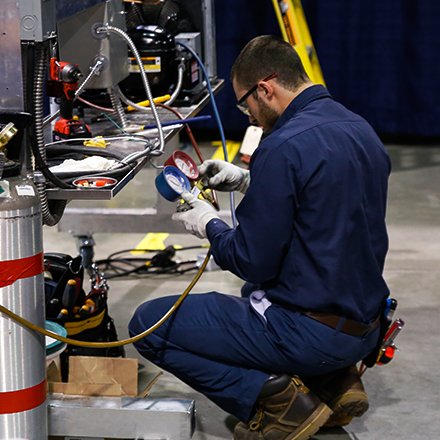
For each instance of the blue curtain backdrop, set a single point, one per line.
(379, 58)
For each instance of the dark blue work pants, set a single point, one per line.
(221, 347)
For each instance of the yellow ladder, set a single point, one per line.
(294, 29)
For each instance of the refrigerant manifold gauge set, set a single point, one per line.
(181, 174)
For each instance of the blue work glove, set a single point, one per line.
(197, 216)
(224, 176)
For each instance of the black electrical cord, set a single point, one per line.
(116, 266)
(177, 249)
(113, 271)
(141, 272)
(63, 149)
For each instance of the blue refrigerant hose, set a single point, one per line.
(218, 120)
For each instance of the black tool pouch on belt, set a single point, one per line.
(370, 360)
(83, 314)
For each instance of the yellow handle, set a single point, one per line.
(146, 103)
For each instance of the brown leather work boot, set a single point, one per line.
(293, 413)
(343, 392)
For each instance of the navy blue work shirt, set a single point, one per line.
(311, 227)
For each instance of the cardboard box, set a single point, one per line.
(99, 376)
(53, 371)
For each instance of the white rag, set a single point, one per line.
(92, 163)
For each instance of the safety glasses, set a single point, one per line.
(242, 104)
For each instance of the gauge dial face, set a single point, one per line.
(175, 182)
(187, 166)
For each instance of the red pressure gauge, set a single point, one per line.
(188, 168)
(184, 163)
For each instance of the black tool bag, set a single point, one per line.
(84, 314)
(58, 270)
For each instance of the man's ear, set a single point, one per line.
(266, 88)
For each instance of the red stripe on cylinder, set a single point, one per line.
(23, 400)
(13, 270)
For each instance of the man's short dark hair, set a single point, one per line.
(267, 54)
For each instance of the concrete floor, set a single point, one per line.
(405, 395)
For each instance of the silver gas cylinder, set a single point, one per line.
(22, 351)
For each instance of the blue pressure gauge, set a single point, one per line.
(171, 183)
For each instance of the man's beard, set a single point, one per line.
(267, 117)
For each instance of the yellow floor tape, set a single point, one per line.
(232, 148)
(154, 241)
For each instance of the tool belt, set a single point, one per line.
(349, 326)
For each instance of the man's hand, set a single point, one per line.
(197, 217)
(224, 176)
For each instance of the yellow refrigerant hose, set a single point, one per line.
(132, 340)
